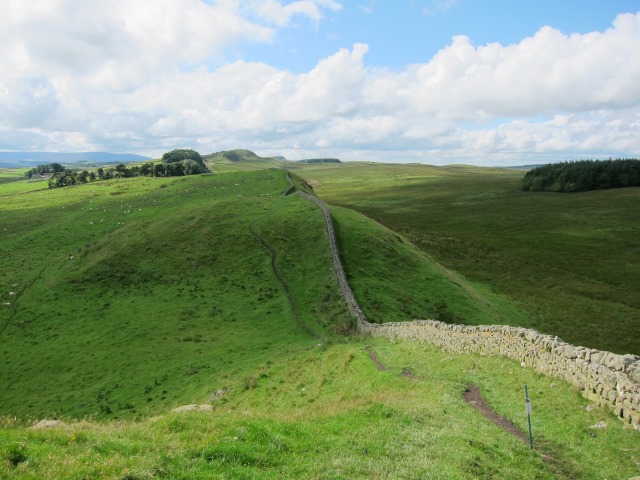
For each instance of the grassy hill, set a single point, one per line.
(128, 293)
(135, 296)
(241, 160)
(568, 261)
(153, 277)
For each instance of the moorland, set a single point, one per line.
(568, 262)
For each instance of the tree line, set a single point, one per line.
(44, 170)
(583, 175)
(176, 163)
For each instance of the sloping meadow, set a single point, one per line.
(127, 297)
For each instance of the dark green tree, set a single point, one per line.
(190, 167)
(175, 156)
(583, 175)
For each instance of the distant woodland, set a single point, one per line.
(584, 175)
(175, 163)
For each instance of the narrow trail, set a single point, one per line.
(472, 397)
(374, 358)
(287, 291)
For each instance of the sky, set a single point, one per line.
(481, 82)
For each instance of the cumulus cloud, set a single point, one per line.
(145, 76)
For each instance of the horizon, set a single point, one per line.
(5, 160)
(430, 81)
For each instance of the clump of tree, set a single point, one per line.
(184, 160)
(45, 169)
(176, 163)
(70, 177)
(583, 175)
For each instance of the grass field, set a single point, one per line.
(170, 299)
(128, 293)
(569, 261)
(327, 413)
(395, 281)
(241, 161)
(153, 277)
(8, 175)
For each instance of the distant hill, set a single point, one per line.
(242, 160)
(30, 159)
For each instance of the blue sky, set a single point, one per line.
(434, 81)
(403, 32)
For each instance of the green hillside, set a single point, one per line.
(153, 278)
(135, 296)
(129, 293)
(328, 413)
(241, 160)
(569, 262)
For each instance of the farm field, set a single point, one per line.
(568, 261)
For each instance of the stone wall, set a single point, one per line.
(345, 289)
(606, 378)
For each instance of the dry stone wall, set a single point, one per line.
(345, 289)
(606, 378)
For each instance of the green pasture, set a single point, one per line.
(135, 296)
(568, 261)
(241, 161)
(8, 175)
(326, 412)
(395, 281)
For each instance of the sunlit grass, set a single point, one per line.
(169, 299)
(328, 413)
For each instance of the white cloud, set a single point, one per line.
(275, 12)
(145, 76)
